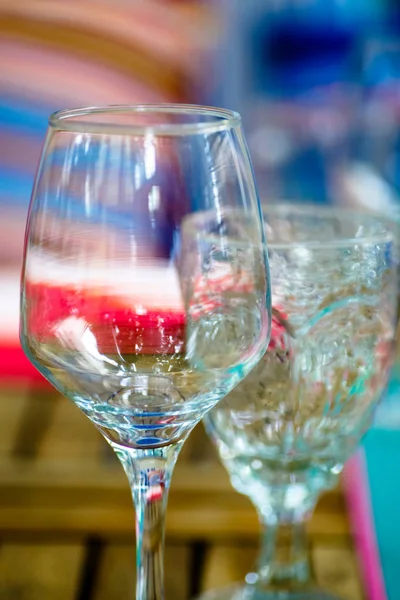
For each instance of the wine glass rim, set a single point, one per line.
(384, 235)
(77, 120)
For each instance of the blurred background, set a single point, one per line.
(318, 86)
(317, 83)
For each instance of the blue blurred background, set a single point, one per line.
(317, 83)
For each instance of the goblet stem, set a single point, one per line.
(283, 562)
(149, 472)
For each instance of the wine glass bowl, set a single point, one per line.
(285, 432)
(145, 290)
(128, 340)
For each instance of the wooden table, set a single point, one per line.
(66, 518)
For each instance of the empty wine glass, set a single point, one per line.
(145, 292)
(286, 431)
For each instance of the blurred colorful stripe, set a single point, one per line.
(162, 30)
(82, 52)
(55, 54)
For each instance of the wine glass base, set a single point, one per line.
(248, 592)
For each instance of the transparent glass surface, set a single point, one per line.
(145, 292)
(285, 432)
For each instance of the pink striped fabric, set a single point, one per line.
(158, 27)
(60, 79)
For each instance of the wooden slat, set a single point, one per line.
(227, 564)
(192, 519)
(39, 571)
(13, 404)
(117, 575)
(59, 478)
(184, 524)
(336, 570)
(177, 572)
(203, 479)
(78, 494)
(71, 435)
(198, 447)
(34, 422)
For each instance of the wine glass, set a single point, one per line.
(145, 291)
(285, 432)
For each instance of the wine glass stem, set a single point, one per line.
(149, 472)
(283, 560)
